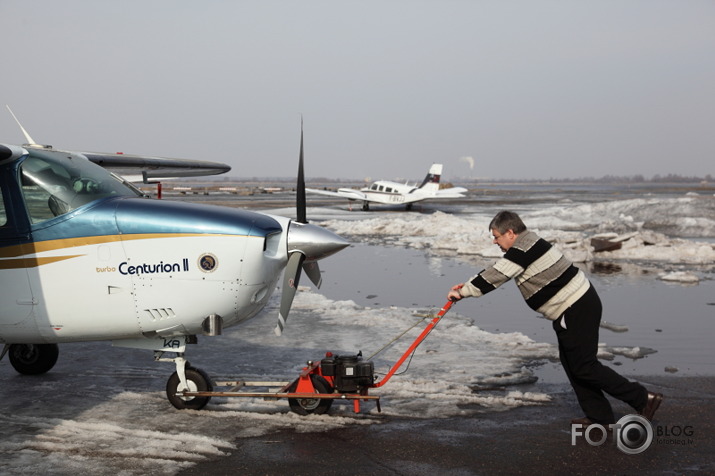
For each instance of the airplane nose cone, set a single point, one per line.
(313, 241)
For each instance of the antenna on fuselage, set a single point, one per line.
(30, 141)
(25, 133)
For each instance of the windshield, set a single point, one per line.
(53, 187)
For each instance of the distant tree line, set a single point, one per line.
(638, 178)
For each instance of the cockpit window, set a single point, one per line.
(54, 187)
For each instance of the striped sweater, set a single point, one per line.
(549, 283)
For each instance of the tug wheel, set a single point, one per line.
(33, 359)
(197, 381)
(307, 406)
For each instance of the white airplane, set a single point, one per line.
(393, 193)
(84, 256)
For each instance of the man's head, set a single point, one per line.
(505, 227)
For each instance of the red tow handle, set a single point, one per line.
(417, 342)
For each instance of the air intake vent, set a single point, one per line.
(161, 314)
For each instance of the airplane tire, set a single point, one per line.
(307, 406)
(198, 381)
(33, 359)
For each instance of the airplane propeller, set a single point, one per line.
(306, 245)
(291, 278)
(300, 201)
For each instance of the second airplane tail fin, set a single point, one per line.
(431, 181)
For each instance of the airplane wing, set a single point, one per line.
(452, 192)
(136, 168)
(349, 193)
(144, 168)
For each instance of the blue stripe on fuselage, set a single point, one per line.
(146, 216)
(136, 215)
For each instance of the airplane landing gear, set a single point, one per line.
(196, 381)
(33, 359)
(187, 378)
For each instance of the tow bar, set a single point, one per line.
(321, 382)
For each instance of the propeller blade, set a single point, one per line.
(313, 271)
(300, 186)
(291, 278)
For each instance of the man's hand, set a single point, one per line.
(453, 294)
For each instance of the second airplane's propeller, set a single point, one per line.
(306, 244)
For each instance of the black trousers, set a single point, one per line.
(578, 345)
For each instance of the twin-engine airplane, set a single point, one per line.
(84, 256)
(393, 193)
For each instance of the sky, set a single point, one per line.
(528, 89)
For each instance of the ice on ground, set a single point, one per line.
(639, 224)
(680, 277)
(607, 353)
(613, 327)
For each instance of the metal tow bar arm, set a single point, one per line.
(417, 342)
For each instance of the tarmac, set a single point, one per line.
(523, 441)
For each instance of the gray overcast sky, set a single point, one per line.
(528, 88)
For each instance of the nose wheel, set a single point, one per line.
(196, 381)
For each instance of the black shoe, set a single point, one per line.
(584, 421)
(652, 404)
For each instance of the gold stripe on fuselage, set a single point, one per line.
(64, 243)
(18, 263)
(19, 258)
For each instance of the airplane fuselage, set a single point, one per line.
(130, 267)
(387, 192)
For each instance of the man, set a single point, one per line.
(553, 286)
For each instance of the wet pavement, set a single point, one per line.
(526, 440)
